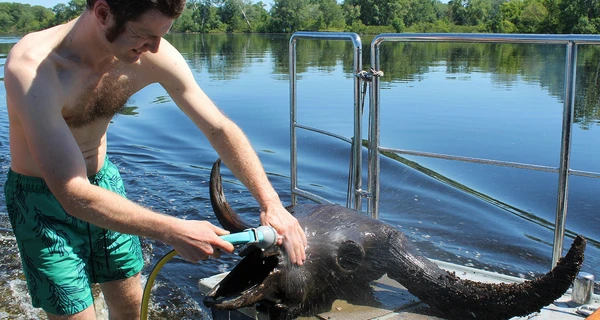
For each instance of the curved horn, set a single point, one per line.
(230, 220)
(465, 299)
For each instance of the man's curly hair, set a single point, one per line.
(131, 10)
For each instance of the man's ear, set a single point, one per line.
(101, 11)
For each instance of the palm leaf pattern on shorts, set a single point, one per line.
(15, 203)
(15, 214)
(30, 267)
(32, 275)
(117, 243)
(82, 267)
(116, 185)
(136, 247)
(99, 250)
(113, 182)
(119, 273)
(84, 254)
(62, 296)
(98, 177)
(48, 228)
(72, 221)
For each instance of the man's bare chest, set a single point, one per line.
(96, 97)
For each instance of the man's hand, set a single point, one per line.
(291, 234)
(197, 240)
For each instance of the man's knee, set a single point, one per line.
(123, 297)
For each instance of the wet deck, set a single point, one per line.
(397, 303)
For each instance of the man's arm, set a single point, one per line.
(232, 145)
(34, 96)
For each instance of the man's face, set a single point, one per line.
(140, 36)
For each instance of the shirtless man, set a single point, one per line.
(65, 199)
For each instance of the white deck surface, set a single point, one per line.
(399, 304)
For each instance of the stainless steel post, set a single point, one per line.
(356, 170)
(565, 153)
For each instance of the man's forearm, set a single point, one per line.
(193, 240)
(109, 210)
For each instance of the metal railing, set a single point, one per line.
(355, 176)
(570, 42)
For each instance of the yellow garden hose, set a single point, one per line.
(151, 277)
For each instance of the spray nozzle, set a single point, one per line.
(263, 237)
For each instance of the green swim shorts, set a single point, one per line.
(62, 255)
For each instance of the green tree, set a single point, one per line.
(577, 15)
(26, 22)
(259, 16)
(7, 20)
(64, 13)
(16, 18)
(44, 16)
(532, 17)
(510, 16)
(362, 16)
(552, 23)
(420, 11)
(230, 12)
(331, 14)
(185, 22)
(61, 14)
(289, 15)
(381, 12)
(457, 12)
(478, 11)
(206, 16)
(243, 16)
(584, 25)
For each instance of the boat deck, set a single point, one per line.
(397, 303)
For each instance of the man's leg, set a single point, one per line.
(119, 257)
(123, 297)
(53, 248)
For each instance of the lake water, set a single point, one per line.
(500, 102)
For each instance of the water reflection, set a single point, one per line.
(226, 56)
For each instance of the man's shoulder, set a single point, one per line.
(167, 61)
(31, 51)
(166, 56)
(30, 69)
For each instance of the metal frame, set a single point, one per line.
(356, 171)
(570, 42)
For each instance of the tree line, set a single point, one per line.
(361, 16)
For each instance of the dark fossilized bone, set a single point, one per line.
(347, 250)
